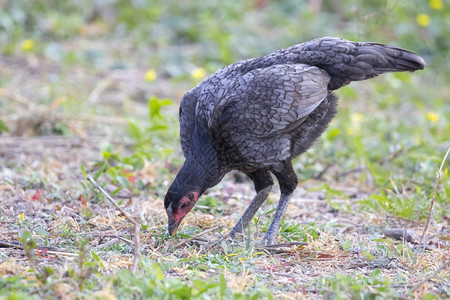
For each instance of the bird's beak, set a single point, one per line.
(173, 228)
(173, 225)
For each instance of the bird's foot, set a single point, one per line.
(237, 230)
(268, 240)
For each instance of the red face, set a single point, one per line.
(176, 214)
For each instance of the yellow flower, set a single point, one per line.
(423, 20)
(27, 45)
(350, 131)
(21, 216)
(432, 116)
(198, 73)
(150, 75)
(357, 118)
(436, 4)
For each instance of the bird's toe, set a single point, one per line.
(268, 240)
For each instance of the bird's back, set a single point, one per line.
(254, 107)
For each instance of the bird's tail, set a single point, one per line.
(348, 61)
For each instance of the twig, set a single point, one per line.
(196, 236)
(111, 242)
(354, 170)
(126, 240)
(278, 274)
(91, 180)
(61, 253)
(5, 244)
(321, 173)
(219, 241)
(432, 275)
(16, 97)
(430, 212)
(99, 89)
(393, 156)
(402, 234)
(39, 248)
(285, 245)
(137, 231)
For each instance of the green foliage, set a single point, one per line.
(152, 140)
(3, 127)
(151, 283)
(343, 286)
(291, 231)
(388, 138)
(226, 31)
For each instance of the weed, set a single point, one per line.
(386, 142)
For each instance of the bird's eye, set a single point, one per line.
(191, 196)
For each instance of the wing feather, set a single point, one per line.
(263, 106)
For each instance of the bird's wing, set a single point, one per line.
(187, 120)
(263, 106)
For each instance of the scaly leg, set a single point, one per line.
(269, 237)
(288, 182)
(256, 203)
(263, 184)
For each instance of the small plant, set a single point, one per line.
(3, 127)
(29, 246)
(152, 141)
(343, 286)
(152, 283)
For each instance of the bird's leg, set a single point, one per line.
(288, 182)
(256, 203)
(263, 184)
(271, 233)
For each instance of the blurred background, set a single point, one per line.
(93, 86)
(181, 41)
(113, 71)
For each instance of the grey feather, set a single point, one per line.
(258, 114)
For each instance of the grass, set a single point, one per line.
(86, 91)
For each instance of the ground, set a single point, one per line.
(44, 192)
(98, 104)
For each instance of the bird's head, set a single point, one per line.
(177, 206)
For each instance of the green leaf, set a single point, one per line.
(155, 104)
(222, 285)
(113, 193)
(346, 245)
(135, 129)
(158, 271)
(99, 172)
(95, 256)
(3, 127)
(83, 170)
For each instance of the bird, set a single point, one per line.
(256, 115)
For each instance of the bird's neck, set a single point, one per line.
(201, 169)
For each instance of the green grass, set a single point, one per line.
(79, 74)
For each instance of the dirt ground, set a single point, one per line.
(43, 190)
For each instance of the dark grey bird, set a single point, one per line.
(256, 115)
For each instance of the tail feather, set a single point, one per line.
(348, 61)
(392, 59)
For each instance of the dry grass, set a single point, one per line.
(289, 271)
(41, 191)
